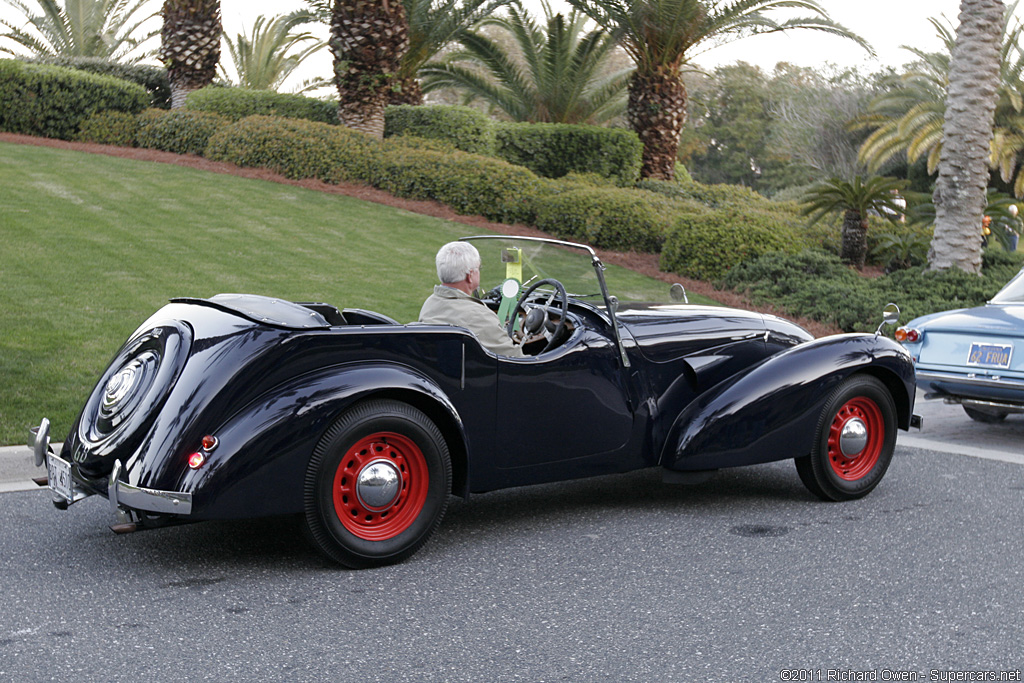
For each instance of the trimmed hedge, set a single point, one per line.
(52, 101)
(706, 244)
(179, 131)
(110, 128)
(239, 103)
(152, 78)
(554, 149)
(296, 149)
(606, 217)
(468, 183)
(464, 128)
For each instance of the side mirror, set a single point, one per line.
(678, 293)
(890, 316)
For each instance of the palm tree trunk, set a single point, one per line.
(854, 250)
(368, 39)
(410, 93)
(967, 134)
(657, 112)
(190, 45)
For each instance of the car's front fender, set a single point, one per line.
(259, 464)
(770, 411)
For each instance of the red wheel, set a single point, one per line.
(853, 443)
(377, 485)
(380, 486)
(856, 438)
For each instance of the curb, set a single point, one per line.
(17, 467)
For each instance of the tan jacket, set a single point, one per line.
(451, 306)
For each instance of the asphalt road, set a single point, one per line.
(618, 578)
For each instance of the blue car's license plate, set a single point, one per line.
(990, 355)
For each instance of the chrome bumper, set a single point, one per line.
(122, 495)
(971, 379)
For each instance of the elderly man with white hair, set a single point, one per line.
(453, 303)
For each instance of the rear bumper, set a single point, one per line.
(123, 496)
(971, 386)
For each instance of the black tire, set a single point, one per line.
(830, 474)
(398, 441)
(982, 416)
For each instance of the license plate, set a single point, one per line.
(59, 474)
(990, 355)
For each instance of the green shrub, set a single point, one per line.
(239, 103)
(296, 149)
(413, 142)
(465, 128)
(152, 78)
(110, 128)
(817, 285)
(606, 217)
(468, 183)
(734, 197)
(51, 101)
(179, 131)
(706, 244)
(552, 150)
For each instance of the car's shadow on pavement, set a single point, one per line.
(279, 541)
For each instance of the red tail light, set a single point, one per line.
(197, 459)
(908, 334)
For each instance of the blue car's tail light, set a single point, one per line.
(908, 335)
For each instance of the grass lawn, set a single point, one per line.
(93, 245)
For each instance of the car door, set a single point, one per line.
(566, 404)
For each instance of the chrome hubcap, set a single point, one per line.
(853, 438)
(378, 485)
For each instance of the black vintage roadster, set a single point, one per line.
(243, 406)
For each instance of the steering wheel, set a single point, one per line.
(537, 319)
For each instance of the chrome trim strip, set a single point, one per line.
(995, 382)
(122, 494)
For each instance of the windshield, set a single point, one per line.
(571, 264)
(1013, 292)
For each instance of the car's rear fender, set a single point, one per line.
(770, 411)
(258, 466)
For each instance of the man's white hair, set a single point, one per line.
(455, 260)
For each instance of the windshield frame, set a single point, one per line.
(611, 303)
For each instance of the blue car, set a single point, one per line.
(967, 356)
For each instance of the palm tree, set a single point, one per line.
(663, 35)
(433, 24)
(368, 40)
(190, 45)
(264, 59)
(108, 29)
(856, 199)
(554, 75)
(908, 116)
(966, 139)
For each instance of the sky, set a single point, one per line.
(886, 24)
